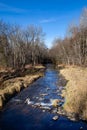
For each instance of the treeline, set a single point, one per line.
(19, 46)
(73, 48)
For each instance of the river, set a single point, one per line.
(32, 109)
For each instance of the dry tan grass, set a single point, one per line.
(39, 67)
(76, 90)
(12, 86)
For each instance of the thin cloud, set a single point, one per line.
(59, 18)
(5, 7)
(48, 20)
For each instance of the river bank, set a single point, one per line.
(75, 92)
(39, 107)
(12, 83)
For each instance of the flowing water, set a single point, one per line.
(32, 108)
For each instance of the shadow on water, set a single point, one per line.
(36, 113)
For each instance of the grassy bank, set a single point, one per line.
(13, 82)
(75, 92)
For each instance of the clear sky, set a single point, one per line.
(53, 16)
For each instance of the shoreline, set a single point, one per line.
(75, 91)
(13, 86)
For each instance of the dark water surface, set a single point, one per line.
(18, 115)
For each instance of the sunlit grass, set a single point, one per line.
(76, 90)
(12, 86)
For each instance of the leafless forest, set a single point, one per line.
(20, 46)
(73, 48)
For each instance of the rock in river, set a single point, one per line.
(43, 94)
(55, 102)
(43, 110)
(37, 104)
(81, 128)
(55, 118)
(28, 101)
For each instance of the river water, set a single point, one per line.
(32, 108)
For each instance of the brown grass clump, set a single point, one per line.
(11, 86)
(76, 90)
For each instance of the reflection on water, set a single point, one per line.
(32, 109)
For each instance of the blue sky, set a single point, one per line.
(54, 16)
